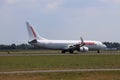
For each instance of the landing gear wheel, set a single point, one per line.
(71, 51)
(63, 51)
(98, 51)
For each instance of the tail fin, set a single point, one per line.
(32, 33)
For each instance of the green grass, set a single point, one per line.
(12, 63)
(83, 61)
(102, 75)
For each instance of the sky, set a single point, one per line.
(60, 20)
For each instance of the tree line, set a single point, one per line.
(16, 47)
(110, 45)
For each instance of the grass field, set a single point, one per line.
(13, 63)
(46, 62)
(108, 75)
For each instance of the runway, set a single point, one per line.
(54, 54)
(66, 70)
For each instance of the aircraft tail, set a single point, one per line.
(32, 33)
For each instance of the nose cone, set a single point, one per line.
(104, 47)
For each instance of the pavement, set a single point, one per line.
(65, 70)
(53, 54)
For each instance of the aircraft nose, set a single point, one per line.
(104, 46)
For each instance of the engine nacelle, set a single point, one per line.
(83, 49)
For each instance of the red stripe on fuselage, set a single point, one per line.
(89, 43)
(33, 32)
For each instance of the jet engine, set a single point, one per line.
(83, 49)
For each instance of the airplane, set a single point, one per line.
(63, 45)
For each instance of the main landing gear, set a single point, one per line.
(98, 51)
(63, 51)
(71, 51)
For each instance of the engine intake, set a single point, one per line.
(83, 49)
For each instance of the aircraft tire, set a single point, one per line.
(71, 51)
(98, 51)
(63, 51)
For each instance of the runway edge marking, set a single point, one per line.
(67, 70)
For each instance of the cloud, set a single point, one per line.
(41, 4)
(11, 1)
(54, 4)
(14, 2)
(116, 1)
(92, 11)
(111, 1)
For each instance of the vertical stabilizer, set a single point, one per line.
(32, 33)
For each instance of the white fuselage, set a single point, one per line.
(65, 44)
